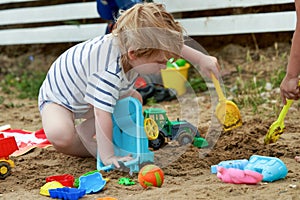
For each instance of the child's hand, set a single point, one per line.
(289, 88)
(205, 63)
(114, 160)
(210, 65)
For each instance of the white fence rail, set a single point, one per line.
(53, 13)
(198, 26)
(15, 1)
(195, 5)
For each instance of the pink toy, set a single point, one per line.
(237, 176)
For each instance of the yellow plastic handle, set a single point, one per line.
(218, 88)
(285, 108)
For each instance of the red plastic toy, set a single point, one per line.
(65, 179)
(7, 146)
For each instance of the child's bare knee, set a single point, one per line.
(59, 137)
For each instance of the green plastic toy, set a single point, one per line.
(176, 64)
(126, 181)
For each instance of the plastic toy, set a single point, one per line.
(126, 181)
(177, 64)
(180, 130)
(66, 193)
(76, 181)
(92, 183)
(271, 168)
(151, 128)
(107, 198)
(65, 179)
(44, 190)
(7, 147)
(200, 142)
(178, 71)
(237, 164)
(129, 136)
(151, 175)
(277, 128)
(238, 176)
(227, 111)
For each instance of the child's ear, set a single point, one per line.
(131, 54)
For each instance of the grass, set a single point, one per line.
(23, 86)
(253, 92)
(198, 84)
(195, 81)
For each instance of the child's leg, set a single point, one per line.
(86, 132)
(58, 124)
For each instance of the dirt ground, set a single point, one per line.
(186, 169)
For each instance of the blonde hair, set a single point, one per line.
(148, 29)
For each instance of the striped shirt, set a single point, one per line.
(89, 73)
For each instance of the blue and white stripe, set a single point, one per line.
(88, 73)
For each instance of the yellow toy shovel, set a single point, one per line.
(277, 128)
(227, 112)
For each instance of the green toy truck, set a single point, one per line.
(179, 130)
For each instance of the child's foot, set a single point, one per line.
(297, 158)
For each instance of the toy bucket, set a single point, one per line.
(175, 78)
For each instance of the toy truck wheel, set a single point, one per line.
(158, 142)
(4, 170)
(151, 128)
(184, 138)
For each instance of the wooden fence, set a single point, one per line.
(45, 23)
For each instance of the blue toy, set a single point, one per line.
(66, 193)
(129, 136)
(271, 168)
(92, 183)
(237, 164)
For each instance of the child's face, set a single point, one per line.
(151, 65)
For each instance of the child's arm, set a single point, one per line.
(135, 94)
(103, 123)
(205, 63)
(289, 88)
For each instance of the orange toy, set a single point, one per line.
(107, 198)
(151, 175)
